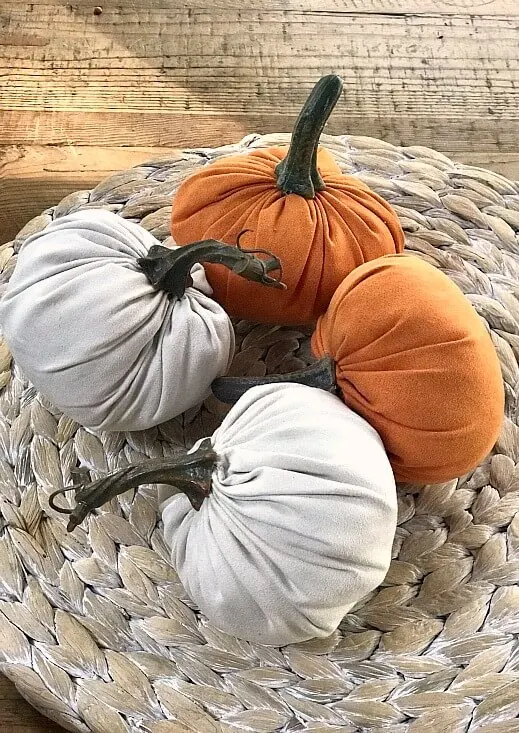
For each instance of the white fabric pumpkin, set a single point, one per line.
(92, 334)
(300, 521)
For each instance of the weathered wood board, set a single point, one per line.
(442, 73)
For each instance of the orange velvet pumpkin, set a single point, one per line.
(412, 357)
(415, 360)
(320, 223)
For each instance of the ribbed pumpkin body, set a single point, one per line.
(319, 241)
(415, 360)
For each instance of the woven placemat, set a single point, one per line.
(95, 629)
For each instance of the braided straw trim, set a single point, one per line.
(97, 632)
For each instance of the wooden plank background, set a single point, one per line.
(155, 76)
(156, 73)
(86, 92)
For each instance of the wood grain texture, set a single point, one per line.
(382, 7)
(32, 178)
(444, 74)
(17, 716)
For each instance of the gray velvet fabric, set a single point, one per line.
(90, 332)
(300, 521)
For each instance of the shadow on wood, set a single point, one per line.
(438, 73)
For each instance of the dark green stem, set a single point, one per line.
(321, 375)
(298, 172)
(170, 269)
(191, 474)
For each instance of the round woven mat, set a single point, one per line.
(95, 629)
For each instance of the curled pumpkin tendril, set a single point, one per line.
(170, 269)
(190, 473)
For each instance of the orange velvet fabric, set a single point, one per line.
(415, 360)
(319, 241)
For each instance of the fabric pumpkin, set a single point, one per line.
(416, 361)
(320, 223)
(299, 522)
(91, 333)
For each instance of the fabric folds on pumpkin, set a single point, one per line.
(92, 334)
(319, 241)
(300, 521)
(416, 361)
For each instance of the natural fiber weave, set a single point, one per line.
(95, 629)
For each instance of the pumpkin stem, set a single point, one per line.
(170, 269)
(190, 473)
(298, 172)
(321, 375)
